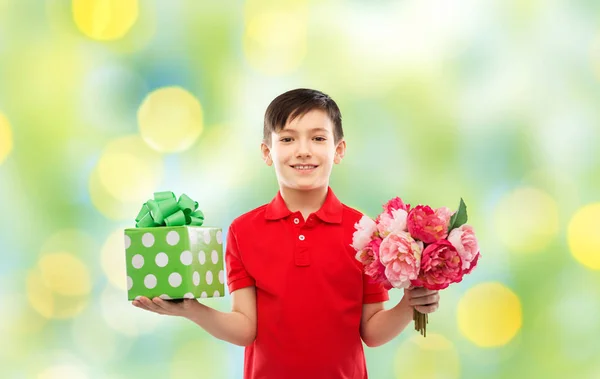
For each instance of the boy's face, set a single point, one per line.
(304, 151)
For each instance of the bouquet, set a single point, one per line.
(408, 247)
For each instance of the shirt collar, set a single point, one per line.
(330, 211)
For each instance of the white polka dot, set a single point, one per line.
(148, 239)
(127, 242)
(203, 295)
(222, 277)
(196, 278)
(219, 237)
(172, 238)
(137, 261)
(189, 295)
(214, 256)
(209, 277)
(202, 257)
(175, 279)
(150, 281)
(161, 259)
(186, 257)
(129, 283)
(165, 297)
(207, 237)
(216, 294)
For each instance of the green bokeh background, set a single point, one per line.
(493, 101)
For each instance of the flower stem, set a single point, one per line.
(421, 320)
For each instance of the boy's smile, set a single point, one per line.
(304, 151)
(304, 168)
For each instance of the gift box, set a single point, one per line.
(169, 254)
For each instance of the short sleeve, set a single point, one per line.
(237, 276)
(373, 292)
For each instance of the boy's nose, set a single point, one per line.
(303, 150)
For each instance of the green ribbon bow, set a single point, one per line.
(165, 210)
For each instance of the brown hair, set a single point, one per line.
(296, 103)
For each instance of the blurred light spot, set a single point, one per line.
(275, 42)
(127, 174)
(65, 274)
(584, 236)
(433, 357)
(595, 54)
(17, 316)
(63, 371)
(6, 140)
(39, 295)
(51, 304)
(105, 19)
(75, 241)
(170, 119)
(526, 220)
(577, 331)
(205, 353)
(96, 340)
(55, 70)
(108, 205)
(122, 316)
(113, 259)
(218, 148)
(20, 322)
(110, 97)
(489, 314)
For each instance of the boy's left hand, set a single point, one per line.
(422, 299)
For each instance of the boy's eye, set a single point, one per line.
(320, 139)
(286, 139)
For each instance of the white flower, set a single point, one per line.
(364, 231)
(392, 224)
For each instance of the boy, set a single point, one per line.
(300, 303)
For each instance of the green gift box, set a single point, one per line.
(178, 260)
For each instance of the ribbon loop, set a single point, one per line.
(166, 210)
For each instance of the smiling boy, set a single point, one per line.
(301, 305)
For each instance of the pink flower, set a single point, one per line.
(391, 223)
(373, 266)
(365, 228)
(473, 264)
(428, 225)
(440, 266)
(395, 203)
(464, 241)
(401, 255)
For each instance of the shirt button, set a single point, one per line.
(296, 221)
(301, 237)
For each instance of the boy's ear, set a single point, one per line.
(340, 151)
(266, 154)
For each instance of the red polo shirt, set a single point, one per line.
(310, 290)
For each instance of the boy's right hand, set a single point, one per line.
(164, 307)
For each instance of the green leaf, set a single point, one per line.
(459, 217)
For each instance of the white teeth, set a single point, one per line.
(304, 167)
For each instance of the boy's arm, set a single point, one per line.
(378, 326)
(237, 327)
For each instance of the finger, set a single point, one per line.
(165, 306)
(427, 308)
(151, 306)
(420, 292)
(138, 304)
(425, 300)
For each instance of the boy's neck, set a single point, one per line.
(305, 202)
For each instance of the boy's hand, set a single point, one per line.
(164, 307)
(422, 299)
